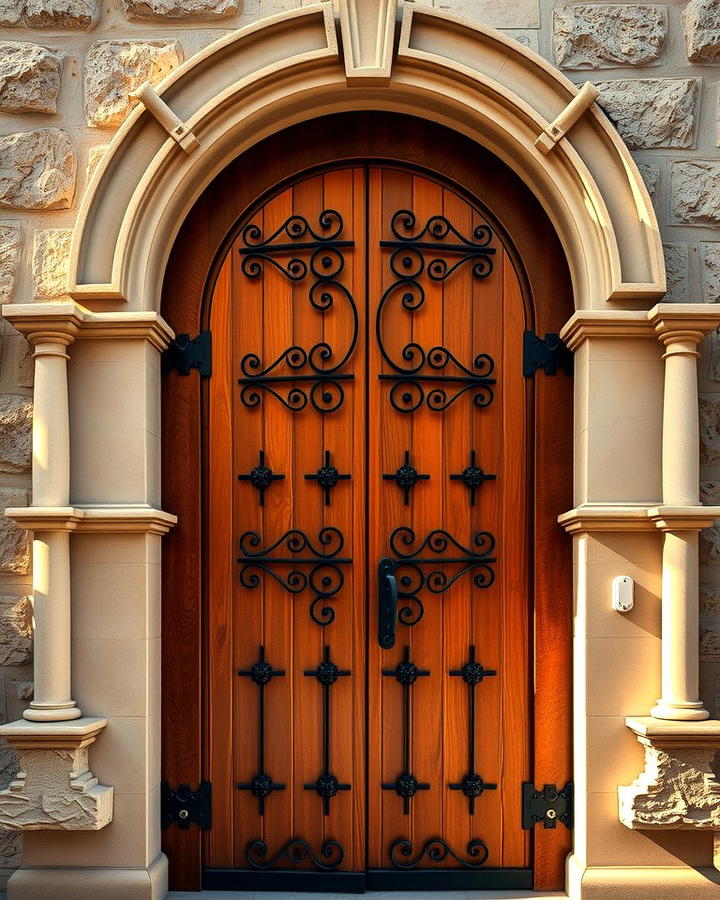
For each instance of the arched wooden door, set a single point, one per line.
(369, 525)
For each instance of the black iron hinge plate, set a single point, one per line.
(549, 354)
(186, 353)
(548, 806)
(184, 806)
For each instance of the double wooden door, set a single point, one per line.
(368, 518)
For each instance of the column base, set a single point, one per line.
(688, 712)
(641, 882)
(52, 713)
(89, 884)
(54, 789)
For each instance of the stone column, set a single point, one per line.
(680, 329)
(51, 549)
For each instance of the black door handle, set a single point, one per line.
(387, 603)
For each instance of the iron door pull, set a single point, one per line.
(387, 603)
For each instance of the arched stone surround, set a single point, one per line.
(637, 510)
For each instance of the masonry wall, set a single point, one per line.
(67, 68)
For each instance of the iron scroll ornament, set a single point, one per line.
(421, 377)
(325, 577)
(301, 253)
(296, 851)
(402, 577)
(436, 850)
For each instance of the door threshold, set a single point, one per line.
(371, 895)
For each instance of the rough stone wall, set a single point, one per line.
(67, 68)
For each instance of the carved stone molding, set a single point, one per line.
(679, 787)
(54, 788)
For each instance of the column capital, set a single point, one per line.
(46, 323)
(683, 322)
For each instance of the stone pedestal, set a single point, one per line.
(54, 788)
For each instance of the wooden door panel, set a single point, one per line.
(367, 324)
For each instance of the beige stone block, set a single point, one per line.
(696, 192)
(272, 7)
(597, 36)
(677, 268)
(650, 173)
(14, 541)
(613, 548)
(65, 14)
(115, 600)
(623, 675)
(95, 154)
(10, 238)
(606, 770)
(29, 78)
(125, 757)
(37, 169)
(701, 21)
(110, 676)
(51, 263)
(610, 843)
(711, 272)
(180, 9)
(114, 548)
(498, 13)
(114, 465)
(11, 12)
(641, 882)
(114, 69)
(15, 433)
(652, 112)
(15, 631)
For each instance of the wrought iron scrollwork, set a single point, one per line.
(296, 852)
(406, 785)
(262, 785)
(420, 377)
(300, 252)
(472, 476)
(327, 476)
(325, 577)
(408, 566)
(472, 784)
(406, 477)
(327, 785)
(436, 851)
(261, 477)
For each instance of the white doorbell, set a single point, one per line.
(623, 593)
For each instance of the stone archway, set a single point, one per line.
(97, 454)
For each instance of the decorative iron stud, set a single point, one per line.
(472, 477)
(261, 477)
(406, 477)
(327, 476)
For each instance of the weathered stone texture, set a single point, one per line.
(652, 112)
(710, 429)
(701, 20)
(10, 849)
(29, 78)
(711, 272)
(113, 69)
(9, 258)
(676, 267)
(94, 157)
(528, 38)
(14, 541)
(696, 192)
(15, 433)
(498, 13)
(651, 176)
(51, 262)
(600, 37)
(11, 12)
(677, 789)
(180, 9)
(16, 363)
(74, 14)
(37, 169)
(15, 631)
(709, 623)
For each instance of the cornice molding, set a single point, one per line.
(42, 321)
(24, 735)
(103, 519)
(589, 518)
(683, 518)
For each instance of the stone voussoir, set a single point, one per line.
(594, 36)
(180, 9)
(652, 113)
(696, 192)
(29, 78)
(114, 69)
(701, 20)
(37, 169)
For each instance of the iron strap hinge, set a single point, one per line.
(183, 806)
(548, 806)
(185, 353)
(549, 354)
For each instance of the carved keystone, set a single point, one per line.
(54, 789)
(680, 785)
